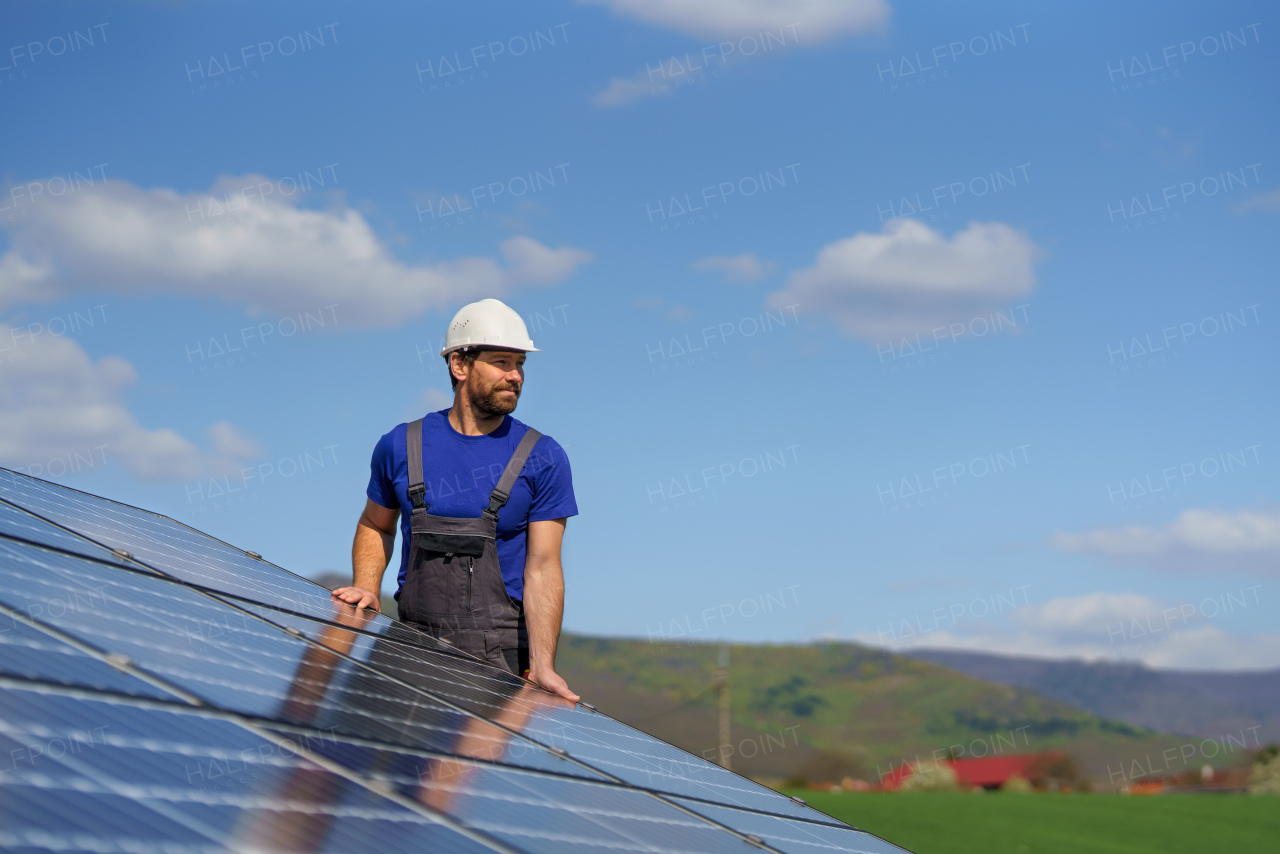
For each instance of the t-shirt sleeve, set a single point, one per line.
(382, 484)
(552, 482)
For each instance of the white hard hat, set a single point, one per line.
(487, 323)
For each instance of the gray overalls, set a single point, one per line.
(453, 586)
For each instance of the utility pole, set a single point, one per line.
(722, 687)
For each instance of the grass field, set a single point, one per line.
(1001, 823)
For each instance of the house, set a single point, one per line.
(990, 772)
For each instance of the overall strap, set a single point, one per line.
(413, 443)
(502, 491)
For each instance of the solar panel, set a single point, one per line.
(161, 690)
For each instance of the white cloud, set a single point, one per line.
(1203, 647)
(1247, 541)
(624, 90)
(266, 253)
(1267, 201)
(57, 404)
(815, 20)
(750, 28)
(1086, 617)
(229, 441)
(910, 279)
(1110, 627)
(739, 268)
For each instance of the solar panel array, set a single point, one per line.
(165, 691)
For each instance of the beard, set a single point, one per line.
(492, 402)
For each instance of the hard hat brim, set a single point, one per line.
(481, 347)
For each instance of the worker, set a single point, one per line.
(486, 499)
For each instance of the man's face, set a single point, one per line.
(494, 382)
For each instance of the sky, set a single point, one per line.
(888, 322)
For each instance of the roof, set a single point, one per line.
(995, 770)
(985, 771)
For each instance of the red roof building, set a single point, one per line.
(987, 772)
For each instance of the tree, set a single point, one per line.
(1264, 776)
(931, 777)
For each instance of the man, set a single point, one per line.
(488, 499)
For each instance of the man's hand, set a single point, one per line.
(357, 597)
(553, 682)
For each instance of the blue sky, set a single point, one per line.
(879, 321)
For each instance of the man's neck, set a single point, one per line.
(468, 422)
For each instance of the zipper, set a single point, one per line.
(471, 572)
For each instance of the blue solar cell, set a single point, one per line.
(797, 837)
(18, 523)
(111, 776)
(535, 812)
(28, 653)
(158, 541)
(233, 660)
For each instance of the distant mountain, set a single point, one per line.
(1205, 704)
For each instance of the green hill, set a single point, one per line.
(822, 711)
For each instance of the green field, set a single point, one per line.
(1000, 823)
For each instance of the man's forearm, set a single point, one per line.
(543, 610)
(370, 554)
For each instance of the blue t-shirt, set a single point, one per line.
(460, 471)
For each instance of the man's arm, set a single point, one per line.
(370, 552)
(544, 603)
